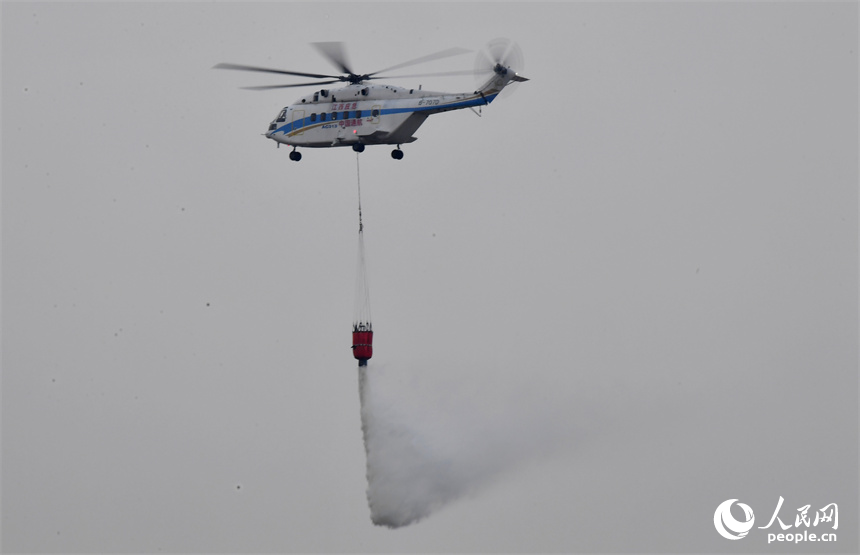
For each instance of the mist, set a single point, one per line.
(428, 444)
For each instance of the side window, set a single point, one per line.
(313, 117)
(358, 113)
(282, 116)
(334, 116)
(346, 115)
(374, 113)
(322, 116)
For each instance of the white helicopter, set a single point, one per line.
(361, 114)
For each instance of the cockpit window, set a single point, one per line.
(282, 116)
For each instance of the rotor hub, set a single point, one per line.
(354, 79)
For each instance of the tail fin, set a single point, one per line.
(501, 78)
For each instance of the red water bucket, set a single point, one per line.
(362, 346)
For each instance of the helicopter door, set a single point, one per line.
(374, 113)
(298, 121)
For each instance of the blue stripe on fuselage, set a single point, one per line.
(477, 101)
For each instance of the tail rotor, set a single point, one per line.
(498, 59)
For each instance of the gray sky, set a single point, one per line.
(624, 295)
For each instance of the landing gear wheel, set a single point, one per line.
(295, 156)
(358, 147)
(397, 154)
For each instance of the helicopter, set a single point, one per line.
(362, 113)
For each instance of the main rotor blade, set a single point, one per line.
(335, 53)
(268, 87)
(439, 74)
(436, 56)
(268, 70)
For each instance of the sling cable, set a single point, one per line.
(362, 330)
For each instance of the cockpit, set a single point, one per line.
(282, 117)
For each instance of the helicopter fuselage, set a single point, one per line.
(365, 114)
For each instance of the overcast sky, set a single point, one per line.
(622, 296)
